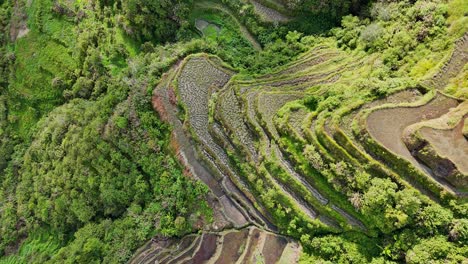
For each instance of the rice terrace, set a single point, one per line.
(234, 131)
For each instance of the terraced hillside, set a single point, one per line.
(234, 131)
(306, 145)
(248, 245)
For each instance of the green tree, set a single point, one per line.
(154, 20)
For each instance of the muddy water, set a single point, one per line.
(387, 125)
(450, 143)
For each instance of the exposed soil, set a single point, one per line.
(187, 253)
(187, 155)
(273, 248)
(233, 246)
(387, 125)
(253, 244)
(405, 96)
(234, 214)
(291, 254)
(450, 143)
(207, 249)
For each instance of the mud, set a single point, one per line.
(387, 125)
(273, 248)
(233, 246)
(450, 143)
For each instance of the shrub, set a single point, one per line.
(311, 103)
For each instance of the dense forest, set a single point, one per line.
(89, 171)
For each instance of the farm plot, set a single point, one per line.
(306, 142)
(387, 130)
(184, 148)
(451, 144)
(269, 14)
(230, 246)
(450, 69)
(231, 115)
(197, 81)
(214, 6)
(289, 182)
(295, 119)
(208, 29)
(267, 106)
(439, 143)
(234, 205)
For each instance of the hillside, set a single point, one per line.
(270, 131)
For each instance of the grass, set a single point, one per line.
(233, 23)
(458, 18)
(39, 247)
(38, 61)
(42, 55)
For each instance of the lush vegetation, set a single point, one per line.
(86, 169)
(87, 174)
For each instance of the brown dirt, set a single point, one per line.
(291, 254)
(387, 125)
(152, 250)
(449, 143)
(254, 241)
(158, 105)
(188, 254)
(273, 248)
(207, 249)
(232, 246)
(232, 212)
